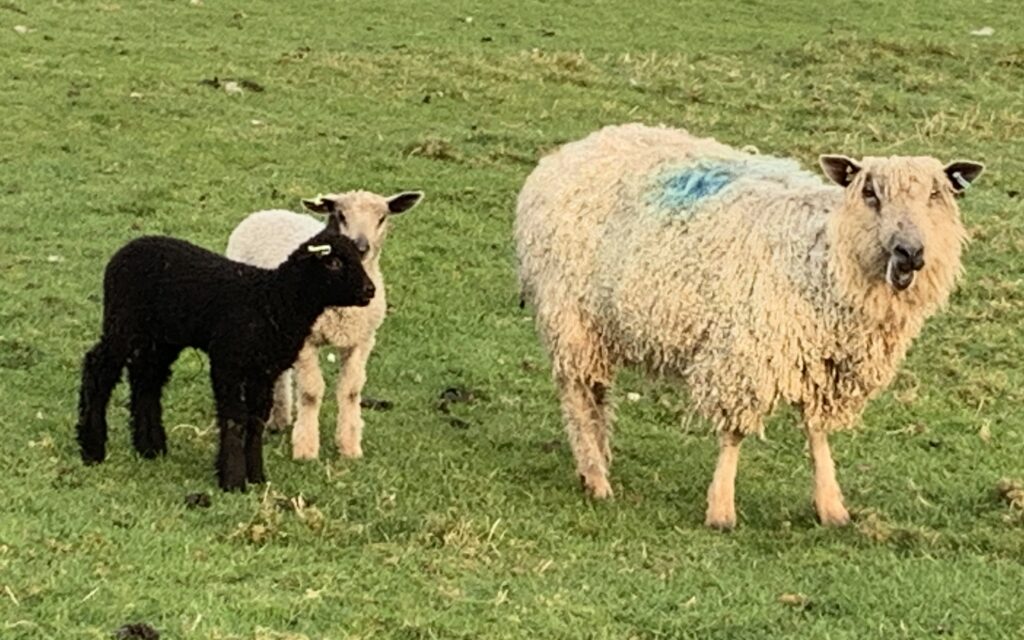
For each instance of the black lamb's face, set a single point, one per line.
(338, 269)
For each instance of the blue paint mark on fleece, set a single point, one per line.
(684, 188)
(680, 189)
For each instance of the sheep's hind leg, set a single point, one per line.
(828, 498)
(349, 434)
(310, 385)
(101, 370)
(281, 413)
(721, 513)
(583, 373)
(583, 406)
(148, 372)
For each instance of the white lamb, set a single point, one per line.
(264, 239)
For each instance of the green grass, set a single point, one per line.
(481, 532)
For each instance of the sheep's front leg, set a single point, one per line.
(231, 454)
(721, 513)
(259, 396)
(349, 435)
(232, 419)
(310, 385)
(828, 498)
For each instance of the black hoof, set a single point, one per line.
(93, 457)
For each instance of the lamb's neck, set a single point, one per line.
(293, 307)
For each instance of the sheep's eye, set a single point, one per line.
(383, 219)
(936, 194)
(869, 195)
(334, 263)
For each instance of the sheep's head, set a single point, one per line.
(900, 215)
(364, 215)
(331, 264)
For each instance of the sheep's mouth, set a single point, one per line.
(899, 275)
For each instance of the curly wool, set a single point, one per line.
(737, 273)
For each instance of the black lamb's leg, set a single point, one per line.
(148, 372)
(101, 370)
(260, 396)
(232, 419)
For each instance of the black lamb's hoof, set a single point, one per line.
(92, 458)
(232, 484)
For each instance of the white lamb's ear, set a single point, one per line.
(839, 169)
(401, 202)
(320, 204)
(963, 173)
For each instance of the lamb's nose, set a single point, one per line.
(369, 290)
(362, 245)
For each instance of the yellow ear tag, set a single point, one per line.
(322, 249)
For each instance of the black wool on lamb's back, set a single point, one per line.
(162, 295)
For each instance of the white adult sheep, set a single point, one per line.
(745, 276)
(263, 239)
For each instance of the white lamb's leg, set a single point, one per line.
(721, 513)
(828, 498)
(281, 413)
(310, 386)
(352, 377)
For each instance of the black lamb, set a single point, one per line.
(161, 295)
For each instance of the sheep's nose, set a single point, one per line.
(362, 245)
(369, 290)
(910, 255)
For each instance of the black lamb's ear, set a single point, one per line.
(839, 169)
(401, 202)
(963, 173)
(334, 223)
(320, 204)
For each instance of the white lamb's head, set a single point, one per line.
(900, 216)
(364, 215)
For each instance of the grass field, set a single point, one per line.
(116, 123)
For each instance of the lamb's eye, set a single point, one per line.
(936, 194)
(334, 263)
(383, 219)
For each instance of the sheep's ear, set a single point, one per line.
(402, 202)
(963, 173)
(839, 169)
(320, 204)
